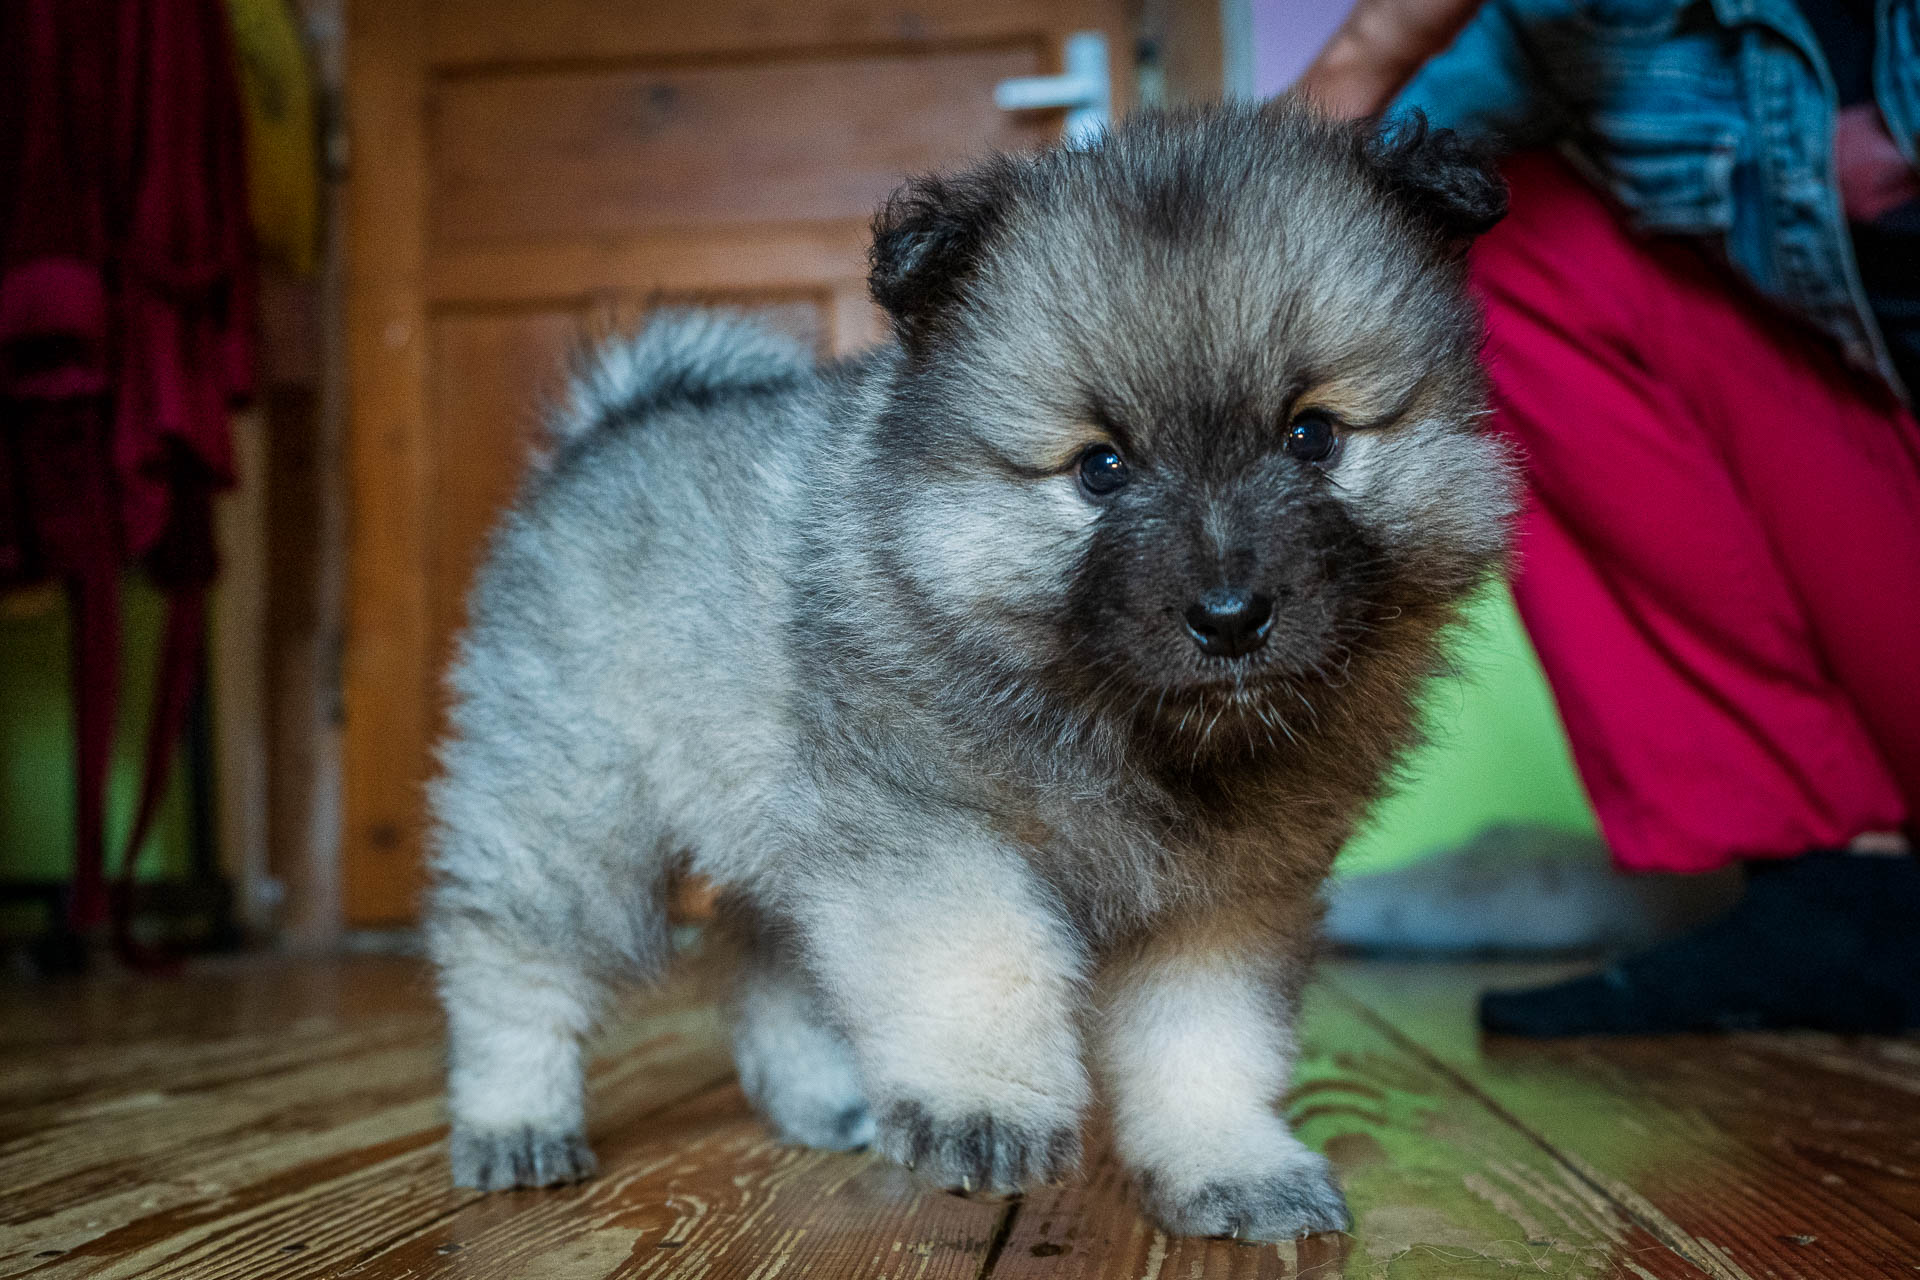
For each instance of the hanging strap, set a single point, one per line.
(173, 692)
(93, 611)
(182, 564)
(62, 450)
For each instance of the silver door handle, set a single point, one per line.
(1084, 90)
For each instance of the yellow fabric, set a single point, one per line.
(283, 158)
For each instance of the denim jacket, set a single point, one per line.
(1709, 118)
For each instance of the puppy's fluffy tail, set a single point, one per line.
(681, 357)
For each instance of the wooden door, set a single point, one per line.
(521, 170)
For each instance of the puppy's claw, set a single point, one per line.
(1298, 1199)
(977, 1154)
(497, 1161)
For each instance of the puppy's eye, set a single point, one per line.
(1314, 438)
(1102, 470)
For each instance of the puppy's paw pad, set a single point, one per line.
(979, 1154)
(1296, 1200)
(495, 1161)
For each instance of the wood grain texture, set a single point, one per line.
(494, 374)
(559, 155)
(702, 1190)
(468, 33)
(385, 668)
(238, 656)
(1752, 1155)
(303, 633)
(1190, 39)
(283, 1119)
(782, 257)
(1439, 1186)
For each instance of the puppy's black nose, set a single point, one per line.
(1227, 623)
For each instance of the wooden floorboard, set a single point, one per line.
(1751, 1155)
(192, 1166)
(1440, 1186)
(704, 1190)
(281, 1118)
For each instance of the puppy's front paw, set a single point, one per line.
(1296, 1199)
(495, 1161)
(979, 1153)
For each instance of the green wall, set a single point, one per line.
(36, 745)
(1496, 753)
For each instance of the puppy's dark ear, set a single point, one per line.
(1451, 185)
(927, 240)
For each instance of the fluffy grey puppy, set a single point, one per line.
(1017, 682)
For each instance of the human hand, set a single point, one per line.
(1874, 176)
(1378, 49)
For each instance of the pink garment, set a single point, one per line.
(126, 309)
(185, 259)
(1719, 562)
(126, 256)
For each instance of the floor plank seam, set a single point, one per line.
(1650, 1220)
(1001, 1235)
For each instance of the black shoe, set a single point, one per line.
(1826, 941)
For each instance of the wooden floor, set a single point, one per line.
(272, 1118)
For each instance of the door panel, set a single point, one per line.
(493, 375)
(491, 32)
(528, 171)
(592, 153)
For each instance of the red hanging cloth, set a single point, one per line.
(126, 340)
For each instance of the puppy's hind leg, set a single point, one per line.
(527, 914)
(795, 1066)
(515, 1018)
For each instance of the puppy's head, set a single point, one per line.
(1195, 414)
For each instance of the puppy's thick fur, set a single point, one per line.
(860, 643)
